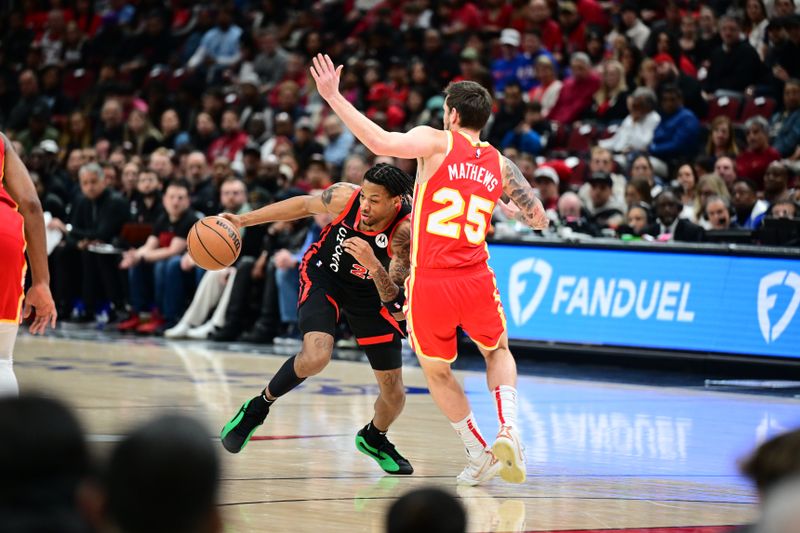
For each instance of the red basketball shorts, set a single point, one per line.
(12, 266)
(439, 300)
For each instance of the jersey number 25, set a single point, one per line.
(442, 222)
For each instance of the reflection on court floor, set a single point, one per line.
(600, 455)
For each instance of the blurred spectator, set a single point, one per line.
(304, 143)
(604, 209)
(725, 168)
(786, 124)
(708, 38)
(504, 68)
(577, 91)
(318, 175)
(785, 209)
(546, 93)
(219, 47)
(668, 226)
(667, 73)
(573, 28)
(172, 134)
(77, 133)
(722, 141)
(39, 128)
(524, 137)
(637, 191)
(572, 215)
(546, 182)
(610, 100)
(754, 160)
(633, 27)
(270, 62)
(776, 183)
(232, 140)
(755, 25)
(140, 133)
(718, 213)
(708, 186)
(426, 510)
(161, 164)
(772, 464)
(601, 161)
(636, 131)
(354, 168)
(47, 470)
(510, 114)
(637, 220)
(686, 182)
(29, 97)
(112, 122)
(734, 65)
(531, 50)
(538, 17)
(340, 141)
(748, 209)
(155, 273)
(164, 478)
(676, 136)
(204, 133)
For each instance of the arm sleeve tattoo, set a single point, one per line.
(521, 193)
(389, 283)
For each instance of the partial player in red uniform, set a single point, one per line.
(459, 181)
(21, 223)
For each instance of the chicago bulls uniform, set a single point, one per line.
(451, 283)
(333, 283)
(12, 252)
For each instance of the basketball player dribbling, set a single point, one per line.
(354, 269)
(21, 224)
(459, 181)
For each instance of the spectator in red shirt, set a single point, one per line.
(572, 27)
(232, 140)
(753, 162)
(537, 17)
(577, 92)
(496, 15)
(380, 99)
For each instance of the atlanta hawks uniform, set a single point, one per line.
(451, 283)
(12, 252)
(332, 282)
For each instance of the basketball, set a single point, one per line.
(214, 243)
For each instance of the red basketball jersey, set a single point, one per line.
(5, 199)
(453, 209)
(12, 251)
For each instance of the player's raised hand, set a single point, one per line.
(362, 252)
(326, 75)
(39, 298)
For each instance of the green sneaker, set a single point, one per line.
(385, 455)
(236, 433)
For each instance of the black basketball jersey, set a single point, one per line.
(327, 256)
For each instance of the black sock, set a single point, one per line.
(284, 380)
(373, 435)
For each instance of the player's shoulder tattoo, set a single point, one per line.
(337, 188)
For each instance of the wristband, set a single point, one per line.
(396, 305)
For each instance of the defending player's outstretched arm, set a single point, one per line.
(389, 284)
(519, 191)
(333, 200)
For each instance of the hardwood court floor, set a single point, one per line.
(600, 455)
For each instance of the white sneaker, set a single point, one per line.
(509, 451)
(479, 469)
(200, 332)
(178, 331)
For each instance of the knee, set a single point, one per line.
(395, 394)
(438, 373)
(315, 355)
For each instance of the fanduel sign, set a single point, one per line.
(650, 299)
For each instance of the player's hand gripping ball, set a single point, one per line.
(214, 243)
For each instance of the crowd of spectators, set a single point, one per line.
(673, 121)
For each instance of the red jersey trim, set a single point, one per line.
(346, 207)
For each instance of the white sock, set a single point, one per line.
(505, 399)
(470, 435)
(8, 381)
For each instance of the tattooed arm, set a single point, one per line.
(387, 283)
(519, 191)
(333, 200)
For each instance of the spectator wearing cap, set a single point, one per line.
(380, 99)
(510, 114)
(668, 225)
(667, 73)
(39, 128)
(251, 101)
(573, 28)
(734, 65)
(219, 48)
(749, 210)
(786, 123)
(270, 62)
(776, 183)
(546, 93)
(677, 135)
(524, 137)
(752, 162)
(305, 145)
(636, 131)
(504, 68)
(601, 160)
(605, 210)
(232, 140)
(546, 180)
(339, 141)
(470, 65)
(575, 98)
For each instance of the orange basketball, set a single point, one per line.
(214, 243)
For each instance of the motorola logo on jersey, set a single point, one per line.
(382, 240)
(768, 299)
(661, 300)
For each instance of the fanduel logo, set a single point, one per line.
(767, 301)
(666, 301)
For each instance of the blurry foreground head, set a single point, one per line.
(426, 510)
(164, 477)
